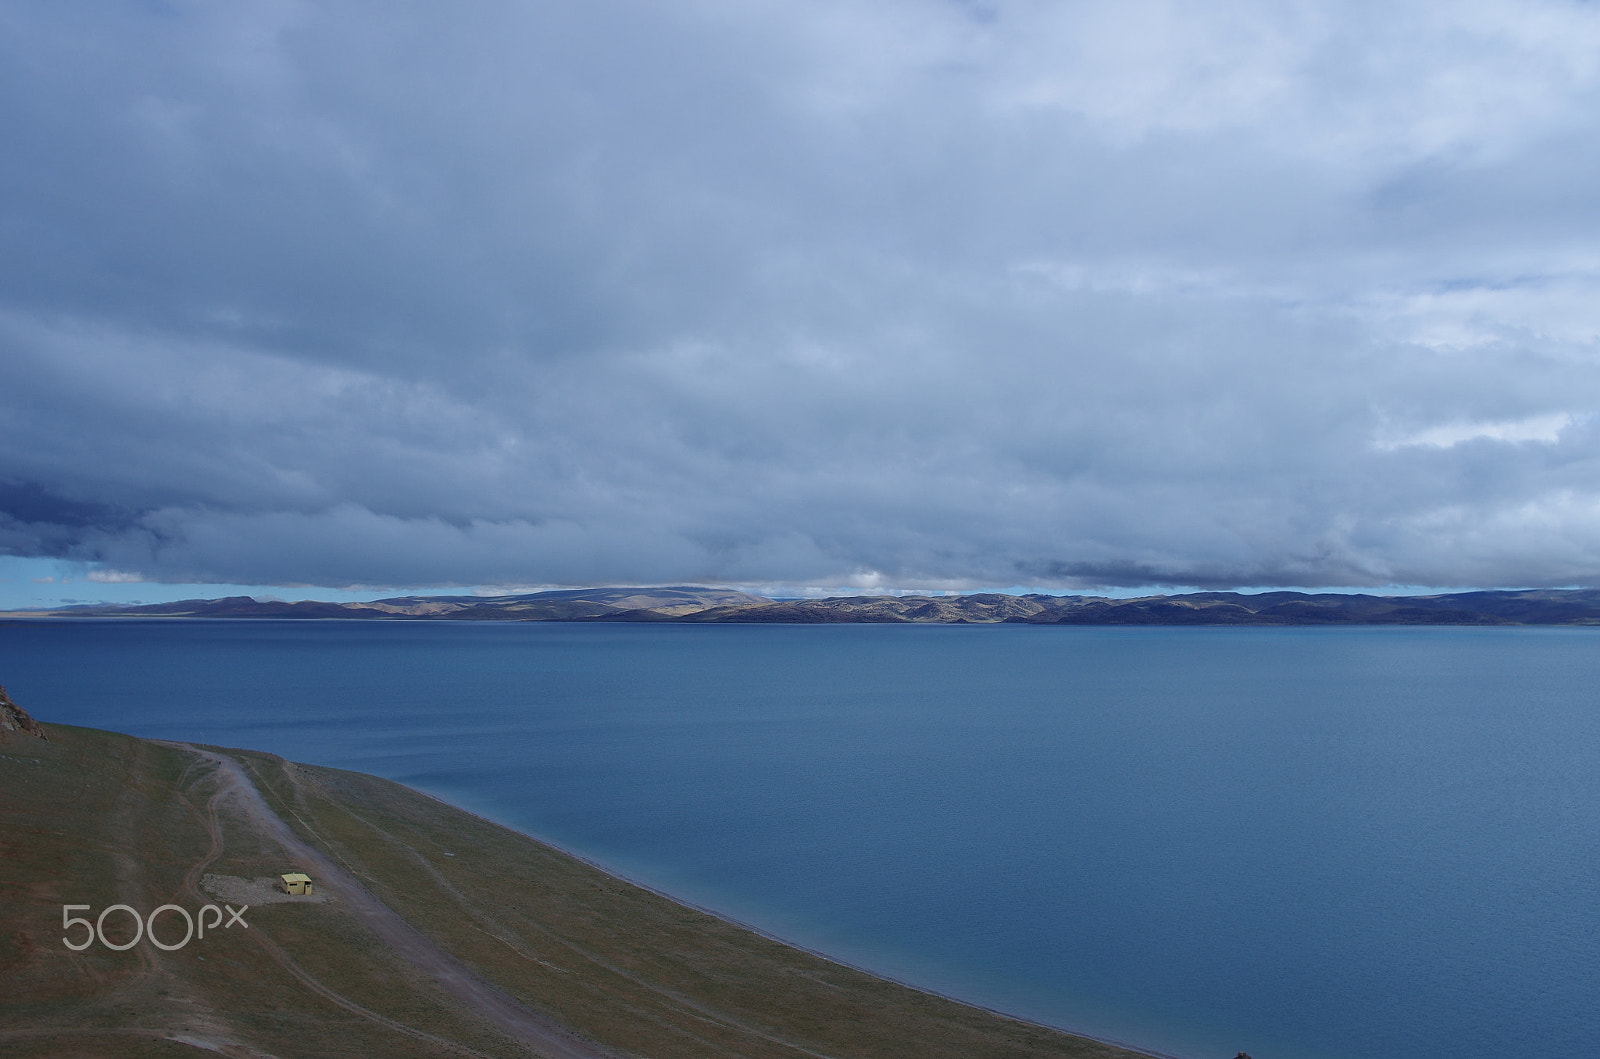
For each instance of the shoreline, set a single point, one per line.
(733, 921)
(583, 951)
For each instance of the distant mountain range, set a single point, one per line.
(708, 605)
(666, 604)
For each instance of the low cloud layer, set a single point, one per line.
(902, 294)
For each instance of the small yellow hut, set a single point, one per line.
(295, 883)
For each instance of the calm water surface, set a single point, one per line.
(1302, 843)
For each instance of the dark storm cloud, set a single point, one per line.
(910, 293)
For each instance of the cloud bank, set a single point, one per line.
(910, 293)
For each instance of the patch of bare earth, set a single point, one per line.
(256, 892)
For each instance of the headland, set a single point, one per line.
(434, 932)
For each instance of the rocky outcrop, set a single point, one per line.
(14, 718)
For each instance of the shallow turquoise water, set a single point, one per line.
(1302, 843)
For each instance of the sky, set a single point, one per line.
(863, 295)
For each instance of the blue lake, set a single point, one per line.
(1303, 843)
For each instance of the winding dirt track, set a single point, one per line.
(456, 978)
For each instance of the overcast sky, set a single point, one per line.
(873, 293)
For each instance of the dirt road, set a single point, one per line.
(540, 1033)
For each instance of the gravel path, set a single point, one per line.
(456, 978)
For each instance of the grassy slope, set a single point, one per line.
(98, 818)
(93, 818)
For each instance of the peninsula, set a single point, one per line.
(432, 932)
